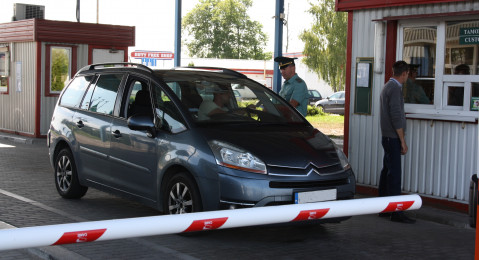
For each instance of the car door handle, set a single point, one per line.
(80, 124)
(116, 133)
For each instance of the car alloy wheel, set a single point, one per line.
(182, 195)
(180, 200)
(66, 178)
(64, 173)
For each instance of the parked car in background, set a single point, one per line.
(314, 96)
(332, 104)
(157, 137)
(244, 92)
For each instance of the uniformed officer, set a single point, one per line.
(294, 89)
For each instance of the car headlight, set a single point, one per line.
(233, 157)
(342, 158)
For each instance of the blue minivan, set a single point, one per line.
(179, 141)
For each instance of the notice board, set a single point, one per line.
(363, 86)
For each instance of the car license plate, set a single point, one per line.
(314, 196)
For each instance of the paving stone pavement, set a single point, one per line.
(28, 198)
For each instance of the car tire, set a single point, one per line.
(66, 176)
(181, 195)
(473, 201)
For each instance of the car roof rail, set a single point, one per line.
(112, 64)
(216, 69)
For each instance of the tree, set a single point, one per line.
(222, 29)
(325, 43)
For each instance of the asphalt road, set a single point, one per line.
(28, 198)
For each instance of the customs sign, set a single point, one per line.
(468, 36)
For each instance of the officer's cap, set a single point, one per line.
(284, 61)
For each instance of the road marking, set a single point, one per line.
(171, 253)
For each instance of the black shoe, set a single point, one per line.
(401, 217)
(385, 215)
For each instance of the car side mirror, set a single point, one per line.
(142, 122)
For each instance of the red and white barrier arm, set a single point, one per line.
(171, 224)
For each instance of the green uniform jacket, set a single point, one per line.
(295, 88)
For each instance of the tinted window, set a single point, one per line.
(104, 95)
(74, 93)
(85, 104)
(167, 112)
(138, 100)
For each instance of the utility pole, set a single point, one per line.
(278, 42)
(177, 60)
(287, 30)
(97, 11)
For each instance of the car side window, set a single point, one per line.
(74, 93)
(167, 113)
(104, 95)
(138, 98)
(85, 104)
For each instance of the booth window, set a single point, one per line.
(461, 48)
(461, 60)
(60, 68)
(419, 50)
(444, 74)
(4, 70)
(61, 61)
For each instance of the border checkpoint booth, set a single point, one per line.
(438, 37)
(37, 59)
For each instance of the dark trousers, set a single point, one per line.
(390, 179)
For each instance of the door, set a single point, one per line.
(339, 104)
(93, 127)
(133, 154)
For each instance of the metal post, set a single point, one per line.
(177, 61)
(278, 43)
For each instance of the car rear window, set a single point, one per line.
(74, 93)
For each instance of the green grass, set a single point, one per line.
(330, 124)
(326, 119)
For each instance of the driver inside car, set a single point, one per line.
(221, 97)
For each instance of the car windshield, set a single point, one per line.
(210, 98)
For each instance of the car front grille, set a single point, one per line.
(311, 168)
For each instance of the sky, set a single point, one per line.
(154, 19)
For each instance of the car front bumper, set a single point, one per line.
(256, 192)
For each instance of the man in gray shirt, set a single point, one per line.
(393, 129)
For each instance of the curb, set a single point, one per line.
(21, 140)
(444, 217)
